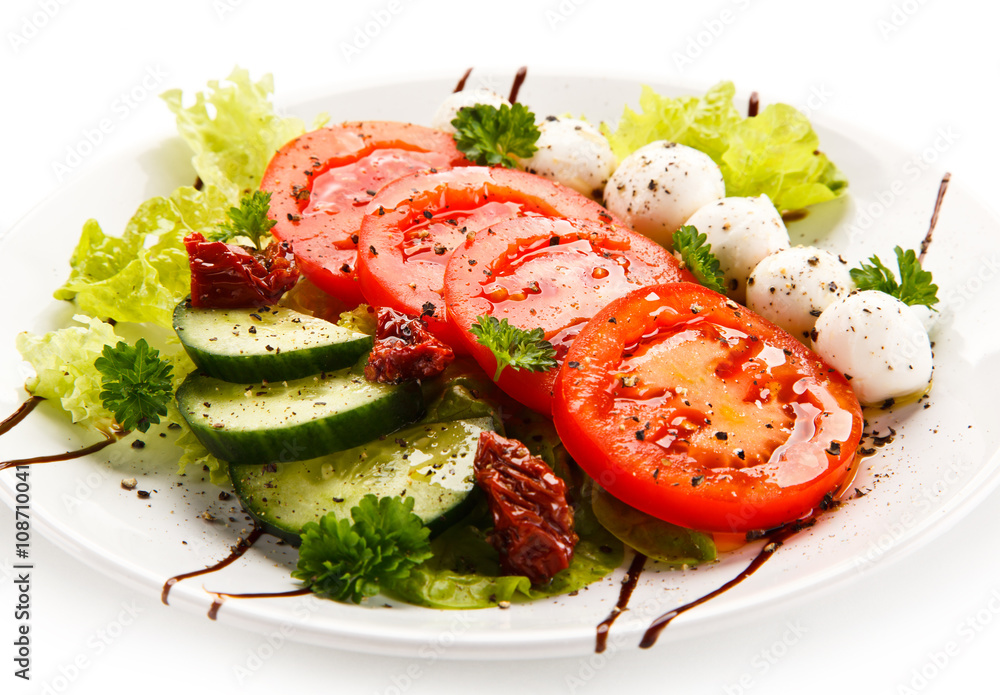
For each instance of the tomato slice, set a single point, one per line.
(695, 410)
(549, 273)
(321, 182)
(412, 226)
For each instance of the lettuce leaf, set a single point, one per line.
(775, 153)
(63, 361)
(140, 276)
(233, 130)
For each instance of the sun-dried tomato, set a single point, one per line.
(532, 519)
(404, 350)
(228, 276)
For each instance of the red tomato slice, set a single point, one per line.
(413, 225)
(554, 274)
(321, 182)
(691, 408)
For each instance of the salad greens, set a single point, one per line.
(514, 347)
(349, 562)
(775, 152)
(915, 285)
(490, 135)
(696, 255)
(136, 384)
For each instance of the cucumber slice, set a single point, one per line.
(430, 462)
(267, 343)
(294, 420)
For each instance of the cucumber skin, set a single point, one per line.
(311, 439)
(284, 366)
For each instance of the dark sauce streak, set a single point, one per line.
(236, 552)
(220, 598)
(19, 414)
(775, 539)
(942, 189)
(522, 72)
(794, 215)
(754, 105)
(110, 438)
(628, 586)
(461, 83)
(198, 183)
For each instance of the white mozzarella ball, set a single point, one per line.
(574, 153)
(657, 187)
(456, 101)
(878, 342)
(742, 232)
(792, 287)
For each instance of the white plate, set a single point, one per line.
(944, 459)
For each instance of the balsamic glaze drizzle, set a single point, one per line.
(628, 586)
(22, 412)
(110, 438)
(236, 552)
(461, 83)
(942, 189)
(522, 72)
(754, 106)
(221, 596)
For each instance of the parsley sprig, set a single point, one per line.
(696, 255)
(915, 285)
(248, 220)
(348, 562)
(513, 346)
(136, 384)
(491, 136)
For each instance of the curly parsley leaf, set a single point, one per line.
(136, 384)
(491, 136)
(348, 562)
(513, 346)
(914, 287)
(248, 220)
(696, 254)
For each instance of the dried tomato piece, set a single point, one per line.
(228, 276)
(404, 350)
(532, 520)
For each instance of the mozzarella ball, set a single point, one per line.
(574, 153)
(657, 187)
(456, 101)
(792, 287)
(878, 343)
(742, 232)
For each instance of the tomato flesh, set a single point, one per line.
(321, 182)
(693, 409)
(547, 273)
(413, 225)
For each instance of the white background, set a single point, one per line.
(906, 71)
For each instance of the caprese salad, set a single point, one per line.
(472, 363)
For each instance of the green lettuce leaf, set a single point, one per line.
(141, 275)
(233, 130)
(775, 153)
(63, 361)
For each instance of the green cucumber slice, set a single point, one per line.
(294, 420)
(430, 462)
(265, 343)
